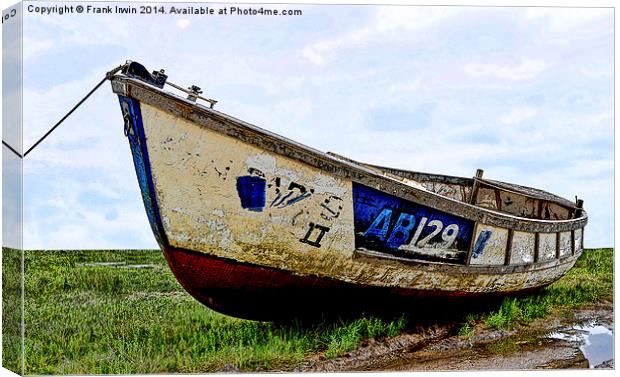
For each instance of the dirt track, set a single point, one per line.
(553, 342)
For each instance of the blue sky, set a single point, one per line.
(524, 93)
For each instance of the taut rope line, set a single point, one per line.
(93, 90)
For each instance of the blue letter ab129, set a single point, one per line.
(387, 223)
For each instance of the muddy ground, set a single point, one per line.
(566, 339)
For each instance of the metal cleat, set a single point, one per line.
(194, 93)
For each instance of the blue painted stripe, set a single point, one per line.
(139, 151)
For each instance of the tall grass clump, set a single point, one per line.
(344, 337)
(589, 281)
(508, 313)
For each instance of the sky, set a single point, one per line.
(12, 172)
(524, 93)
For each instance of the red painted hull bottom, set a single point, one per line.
(259, 293)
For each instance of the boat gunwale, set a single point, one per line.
(254, 135)
(425, 177)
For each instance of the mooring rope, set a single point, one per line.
(108, 76)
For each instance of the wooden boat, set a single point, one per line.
(258, 226)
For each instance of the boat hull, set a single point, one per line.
(260, 293)
(251, 223)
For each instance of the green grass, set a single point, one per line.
(11, 309)
(345, 337)
(84, 319)
(589, 281)
(467, 329)
(93, 319)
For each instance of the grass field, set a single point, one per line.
(86, 317)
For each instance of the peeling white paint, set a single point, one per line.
(494, 253)
(546, 246)
(323, 184)
(262, 161)
(565, 244)
(578, 239)
(289, 174)
(522, 248)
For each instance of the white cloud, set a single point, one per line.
(525, 70)
(183, 23)
(518, 115)
(603, 116)
(411, 86)
(602, 72)
(34, 47)
(388, 22)
(393, 19)
(565, 19)
(85, 228)
(320, 52)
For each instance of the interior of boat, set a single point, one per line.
(499, 196)
(494, 195)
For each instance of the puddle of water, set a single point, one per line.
(104, 264)
(116, 264)
(138, 266)
(595, 341)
